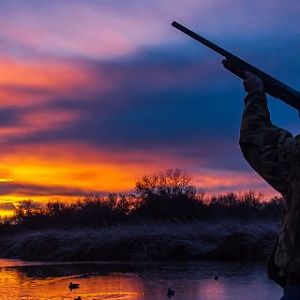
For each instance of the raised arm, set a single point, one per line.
(271, 151)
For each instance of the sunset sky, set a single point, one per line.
(96, 93)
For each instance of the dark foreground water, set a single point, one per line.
(190, 281)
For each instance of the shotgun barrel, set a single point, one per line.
(237, 66)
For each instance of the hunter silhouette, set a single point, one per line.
(275, 155)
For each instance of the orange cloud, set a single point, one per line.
(26, 82)
(75, 167)
(58, 172)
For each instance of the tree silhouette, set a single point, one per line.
(172, 183)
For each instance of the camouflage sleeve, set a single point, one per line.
(269, 150)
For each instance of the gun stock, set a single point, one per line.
(237, 66)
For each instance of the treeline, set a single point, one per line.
(166, 197)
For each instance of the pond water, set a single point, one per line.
(136, 281)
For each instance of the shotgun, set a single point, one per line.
(237, 66)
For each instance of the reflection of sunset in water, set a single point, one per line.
(99, 287)
(17, 285)
(134, 281)
(212, 289)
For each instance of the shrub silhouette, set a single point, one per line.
(171, 183)
(167, 195)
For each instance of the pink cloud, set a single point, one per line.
(222, 181)
(105, 31)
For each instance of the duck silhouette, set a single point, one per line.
(39, 272)
(78, 298)
(170, 293)
(73, 286)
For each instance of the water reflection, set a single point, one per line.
(120, 281)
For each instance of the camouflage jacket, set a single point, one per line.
(275, 155)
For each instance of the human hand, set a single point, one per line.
(252, 83)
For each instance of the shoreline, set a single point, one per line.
(195, 241)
